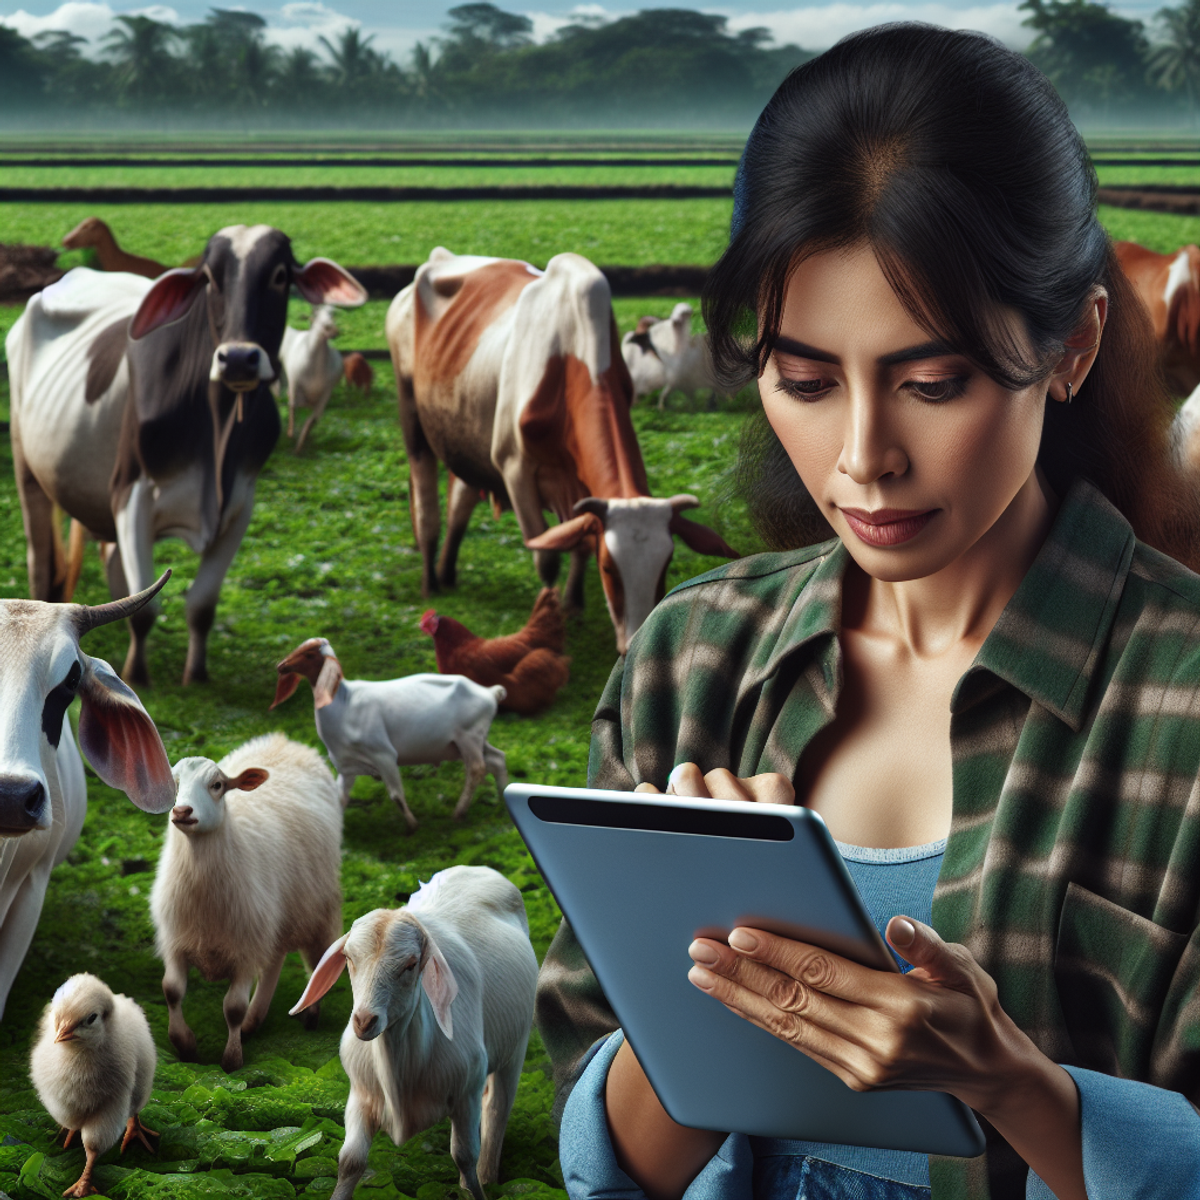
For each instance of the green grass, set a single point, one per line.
(632, 232)
(251, 175)
(1157, 231)
(329, 552)
(1152, 176)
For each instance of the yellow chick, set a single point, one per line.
(93, 1068)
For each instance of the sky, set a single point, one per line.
(397, 25)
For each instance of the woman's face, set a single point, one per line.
(912, 452)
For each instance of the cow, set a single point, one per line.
(509, 376)
(43, 796)
(144, 411)
(1169, 287)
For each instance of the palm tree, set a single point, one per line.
(353, 58)
(1175, 64)
(141, 51)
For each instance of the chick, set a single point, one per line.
(93, 1067)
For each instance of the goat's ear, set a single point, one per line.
(325, 975)
(440, 986)
(327, 683)
(249, 779)
(284, 687)
(568, 534)
(120, 741)
(322, 281)
(170, 297)
(700, 538)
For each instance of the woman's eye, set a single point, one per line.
(803, 389)
(938, 391)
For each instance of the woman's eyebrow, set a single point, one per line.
(932, 349)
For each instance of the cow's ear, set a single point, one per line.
(168, 300)
(322, 281)
(568, 534)
(119, 740)
(700, 538)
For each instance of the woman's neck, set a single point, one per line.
(956, 608)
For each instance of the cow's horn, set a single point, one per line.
(591, 504)
(89, 616)
(682, 501)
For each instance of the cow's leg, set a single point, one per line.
(461, 499)
(527, 508)
(422, 496)
(37, 512)
(114, 571)
(200, 606)
(135, 541)
(573, 601)
(20, 923)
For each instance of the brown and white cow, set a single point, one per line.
(1169, 287)
(144, 411)
(510, 377)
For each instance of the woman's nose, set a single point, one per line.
(871, 447)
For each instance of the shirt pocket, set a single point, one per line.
(1112, 969)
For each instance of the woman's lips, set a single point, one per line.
(887, 526)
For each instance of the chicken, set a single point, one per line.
(529, 665)
(93, 1068)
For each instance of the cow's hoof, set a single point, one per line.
(231, 1060)
(195, 675)
(185, 1048)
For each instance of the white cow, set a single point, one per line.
(43, 797)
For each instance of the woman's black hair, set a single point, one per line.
(957, 162)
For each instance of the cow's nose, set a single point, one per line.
(366, 1025)
(22, 805)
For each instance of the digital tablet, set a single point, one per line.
(639, 876)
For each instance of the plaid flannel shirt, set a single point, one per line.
(1072, 870)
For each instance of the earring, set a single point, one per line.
(1068, 392)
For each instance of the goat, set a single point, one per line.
(312, 366)
(453, 1046)
(374, 727)
(242, 881)
(93, 233)
(43, 797)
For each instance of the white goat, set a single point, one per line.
(374, 727)
(418, 1054)
(241, 881)
(312, 366)
(43, 796)
(666, 356)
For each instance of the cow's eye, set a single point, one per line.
(279, 278)
(74, 675)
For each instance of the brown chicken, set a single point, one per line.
(530, 665)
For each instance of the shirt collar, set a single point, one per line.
(1047, 640)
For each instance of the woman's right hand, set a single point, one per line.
(722, 784)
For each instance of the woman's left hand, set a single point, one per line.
(938, 1028)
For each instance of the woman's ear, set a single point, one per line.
(1080, 350)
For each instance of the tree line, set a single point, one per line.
(658, 66)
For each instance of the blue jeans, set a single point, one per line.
(799, 1177)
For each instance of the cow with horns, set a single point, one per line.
(143, 410)
(43, 797)
(512, 377)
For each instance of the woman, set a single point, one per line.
(986, 680)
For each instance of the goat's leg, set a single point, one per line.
(236, 1002)
(174, 986)
(361, 1125)
(345, 783)
(464, 1136)
(497, 1104)
(497, 764)
(389, 772)
(264, 990)
(475, 771)
(200, 604)
(461, 499)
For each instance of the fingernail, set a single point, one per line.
(701, 952)
(740, 939)
(703, 979)
(903, 933)
(673, 778)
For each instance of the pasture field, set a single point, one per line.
(253, 175)
(629, 232)
(330, 552)
(1113, 176)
